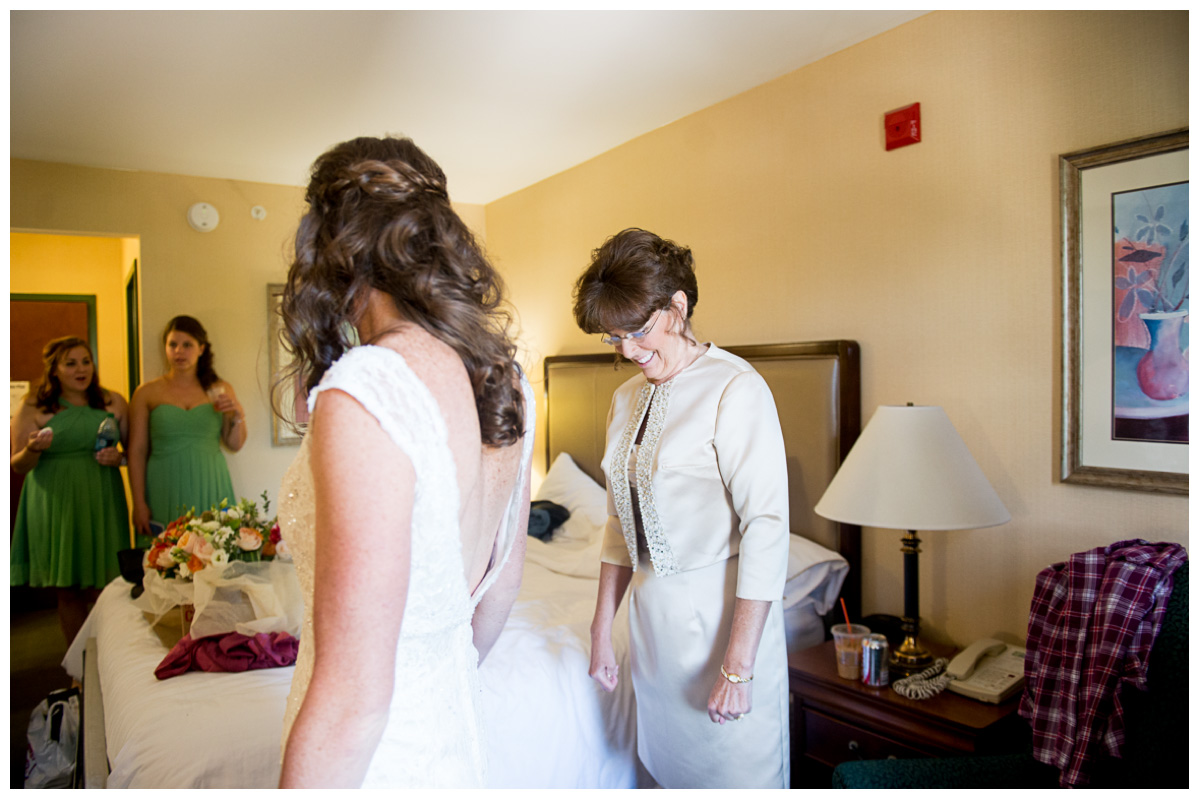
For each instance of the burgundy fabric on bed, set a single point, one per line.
(229, 652)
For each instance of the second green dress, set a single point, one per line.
(186, 469)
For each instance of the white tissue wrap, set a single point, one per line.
(243, 597)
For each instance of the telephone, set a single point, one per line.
(988, 670)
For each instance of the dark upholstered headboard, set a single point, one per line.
(816, 390)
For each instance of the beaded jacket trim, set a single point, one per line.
(662, 558)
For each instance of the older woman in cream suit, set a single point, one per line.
(697, 529)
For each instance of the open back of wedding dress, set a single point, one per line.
(433, 736)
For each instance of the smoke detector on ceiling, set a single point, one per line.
(203, 217)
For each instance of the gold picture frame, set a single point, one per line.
(1096, 281)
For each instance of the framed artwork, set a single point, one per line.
(286, 395)
(1126, 322)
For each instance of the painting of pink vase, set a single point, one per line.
(1151, 289)
(1163, 372)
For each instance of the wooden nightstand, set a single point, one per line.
(836, 720)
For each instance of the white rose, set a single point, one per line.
(249, 539)
(211, 525)
(166, 558)
(281, 550)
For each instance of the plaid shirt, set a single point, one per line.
(1092, 623)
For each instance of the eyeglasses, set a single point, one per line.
(632, 337)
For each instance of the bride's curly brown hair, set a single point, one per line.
(379, 217)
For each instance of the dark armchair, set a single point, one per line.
(1156, 734)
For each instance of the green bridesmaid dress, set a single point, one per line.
(186, 469)
(72, 517)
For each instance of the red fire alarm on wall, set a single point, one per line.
(902, 126)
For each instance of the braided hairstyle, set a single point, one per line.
(379, 217)
(50, 389)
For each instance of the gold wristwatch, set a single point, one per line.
(733, 677)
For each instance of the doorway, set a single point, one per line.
(66, 285)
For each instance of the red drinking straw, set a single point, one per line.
(847, 615)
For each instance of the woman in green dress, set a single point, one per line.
(72, 517)
(177, 425)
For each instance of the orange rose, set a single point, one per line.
(152, 555)
(195, 564)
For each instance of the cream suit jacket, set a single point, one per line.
(717, 469)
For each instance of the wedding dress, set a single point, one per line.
(433, 734)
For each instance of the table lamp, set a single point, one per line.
(910, 470)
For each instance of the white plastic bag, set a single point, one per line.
(53, 742)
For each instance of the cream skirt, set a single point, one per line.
(679, 630)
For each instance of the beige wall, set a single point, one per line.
(941, 259)
(41, 264)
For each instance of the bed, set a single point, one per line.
(549, 726)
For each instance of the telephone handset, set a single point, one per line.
(987, 670)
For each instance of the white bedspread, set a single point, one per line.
(548, 725)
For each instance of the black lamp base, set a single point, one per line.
(911, 656)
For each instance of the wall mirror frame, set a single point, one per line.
(287, 395)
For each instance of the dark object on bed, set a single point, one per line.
(130, 562)
(1156, 734)
(545, 517)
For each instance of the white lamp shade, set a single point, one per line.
(910, 470)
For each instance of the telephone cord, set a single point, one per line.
(924, 685)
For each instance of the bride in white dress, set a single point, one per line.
(406, 507)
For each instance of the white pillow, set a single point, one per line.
(814, 572)
(572, 488)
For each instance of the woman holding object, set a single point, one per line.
(72, 517)
(178, 424)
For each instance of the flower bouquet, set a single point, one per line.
(214, 538)
(223, 570)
